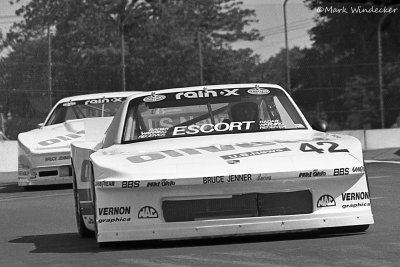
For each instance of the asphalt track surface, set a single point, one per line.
(37, 228)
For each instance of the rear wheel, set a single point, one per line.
(82, 229)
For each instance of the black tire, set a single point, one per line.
(82, 229)
(99, 244)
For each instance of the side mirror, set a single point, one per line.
(320, 125)
(40, 125)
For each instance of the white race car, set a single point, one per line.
(214, 161)
(44, 153)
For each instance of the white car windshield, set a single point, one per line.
(89, 108)
(209, 112)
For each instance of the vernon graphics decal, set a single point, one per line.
(114, 210)
(147, 212)
(207, 93)
(104, 100)
(326, 201)
(107, 211)
(193, 151)
(355, 196)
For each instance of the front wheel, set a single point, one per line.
(82, 229)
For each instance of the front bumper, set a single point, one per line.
(241, 226)
(44, 175)
(279, 206)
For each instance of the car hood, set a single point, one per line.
(284, 154)
(53, 138)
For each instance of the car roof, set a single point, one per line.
(209, 87)
(99, 95)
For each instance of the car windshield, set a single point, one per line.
(89, 108)
(209, 112)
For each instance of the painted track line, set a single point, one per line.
(382, 161)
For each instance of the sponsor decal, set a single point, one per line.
(115, 211)
(69, 104)
(272, 124)
(340, 171)
(55, 158)
(105, 184)
(255, 153)
(209, 128)
(326, 201)
(199, 150)
(314, 173)
(207, 93)
(114, 220)
(130, 184)
(258, 91)
(154, 98)
(23, 171)
(163, 182)
(213, 179)
(193, 151)
(355, 196)
(262, 177)
(227, 179)
(90, 219)
(356, 205)
(239, 178)
(154, 132)
(147, 212)
(59, 139)
(358, 169)
(103, 100)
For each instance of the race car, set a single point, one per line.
(218, 160)
(44, 153)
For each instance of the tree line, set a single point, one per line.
(174, 43)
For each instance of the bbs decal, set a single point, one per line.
(330, 147)
(130, 184)
(340, 171)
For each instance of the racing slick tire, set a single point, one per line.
(82, 229)
(99, 244)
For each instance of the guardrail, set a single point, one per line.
(370, 139)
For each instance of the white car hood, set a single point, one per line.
(53, 138)
(224, 155)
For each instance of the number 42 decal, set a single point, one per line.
(307, 147)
